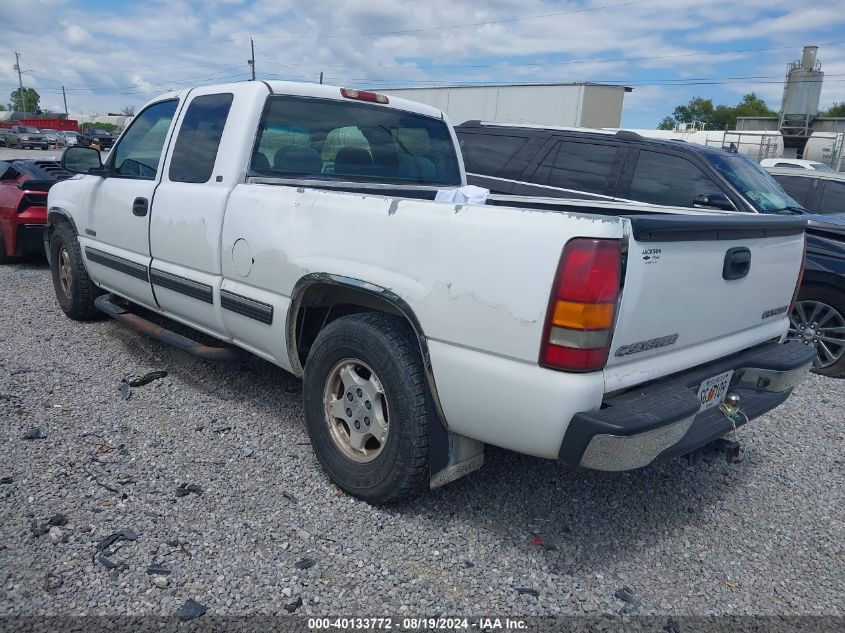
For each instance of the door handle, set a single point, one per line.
(140, 207)
(737, 263)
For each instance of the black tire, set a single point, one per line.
(387, 345)
(835, 299)
(78, 301)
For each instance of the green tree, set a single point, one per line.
(700, 111)
(837, 109)
(26, 101)
(2, 108)
(108, 127)
(668, 123)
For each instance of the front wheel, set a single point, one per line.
(367, 407)
(818, 319)
(75, 291)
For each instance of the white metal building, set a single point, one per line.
(563, 105)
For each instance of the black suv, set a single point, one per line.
(95, 136)
(585, 164)
(594, 164)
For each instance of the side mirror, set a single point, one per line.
(82, 160)
(713, 201)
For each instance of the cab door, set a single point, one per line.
(207, 159)
(116, 244)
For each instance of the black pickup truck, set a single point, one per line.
(96, 136)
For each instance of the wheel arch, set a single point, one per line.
(334, 296)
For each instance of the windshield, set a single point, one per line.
(755, 184)
(31, 130)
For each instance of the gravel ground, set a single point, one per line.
(269, 534)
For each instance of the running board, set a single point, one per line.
(105, 303)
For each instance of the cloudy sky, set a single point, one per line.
(109, 54)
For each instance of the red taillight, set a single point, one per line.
(364, 95)
(579, 324)
(800, 276)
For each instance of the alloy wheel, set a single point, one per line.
(821, 325)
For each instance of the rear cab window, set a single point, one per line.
(195, 151)
(325, 139)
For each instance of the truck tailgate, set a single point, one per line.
(701, 287)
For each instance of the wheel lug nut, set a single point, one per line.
(368, 404)
(357, 424)
(349, 396)
(360, 393)
(367, 421)
(349, 413)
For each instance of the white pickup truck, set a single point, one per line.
(298, 222)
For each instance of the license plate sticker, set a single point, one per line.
(712, 391)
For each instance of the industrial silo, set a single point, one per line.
(801, 93)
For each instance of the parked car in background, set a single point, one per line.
(29, 137)
(821, 192)
(607, 165)
(794, 163)
(312, 233)
(818, 318)
(51, 135)
(8, 138)
(96, 137)
(23, 204)
(68, 138)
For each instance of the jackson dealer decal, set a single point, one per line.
(644, 346)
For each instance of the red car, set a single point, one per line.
(23, 204)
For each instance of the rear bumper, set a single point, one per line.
(660, 420)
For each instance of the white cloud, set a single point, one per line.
(125, 54)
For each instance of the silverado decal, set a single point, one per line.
(643, 346)
(775, 311)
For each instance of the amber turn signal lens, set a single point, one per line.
(583, 316)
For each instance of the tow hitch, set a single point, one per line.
(732, 450)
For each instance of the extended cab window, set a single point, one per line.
(489, 154)
(580, 166)
(345, 140)
(199, 138)
(139, 151)
(833, 197)
(668, 180)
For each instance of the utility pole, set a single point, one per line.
(20, 79)
(251, 60)
(64, 96)
(321, 77)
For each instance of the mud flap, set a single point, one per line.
(451, 456)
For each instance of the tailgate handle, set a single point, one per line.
(737, 263)
(139, 207)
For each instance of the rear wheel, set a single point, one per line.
(75, 291)
(366, 407)
(818, 319)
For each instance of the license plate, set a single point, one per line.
(712, 391)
